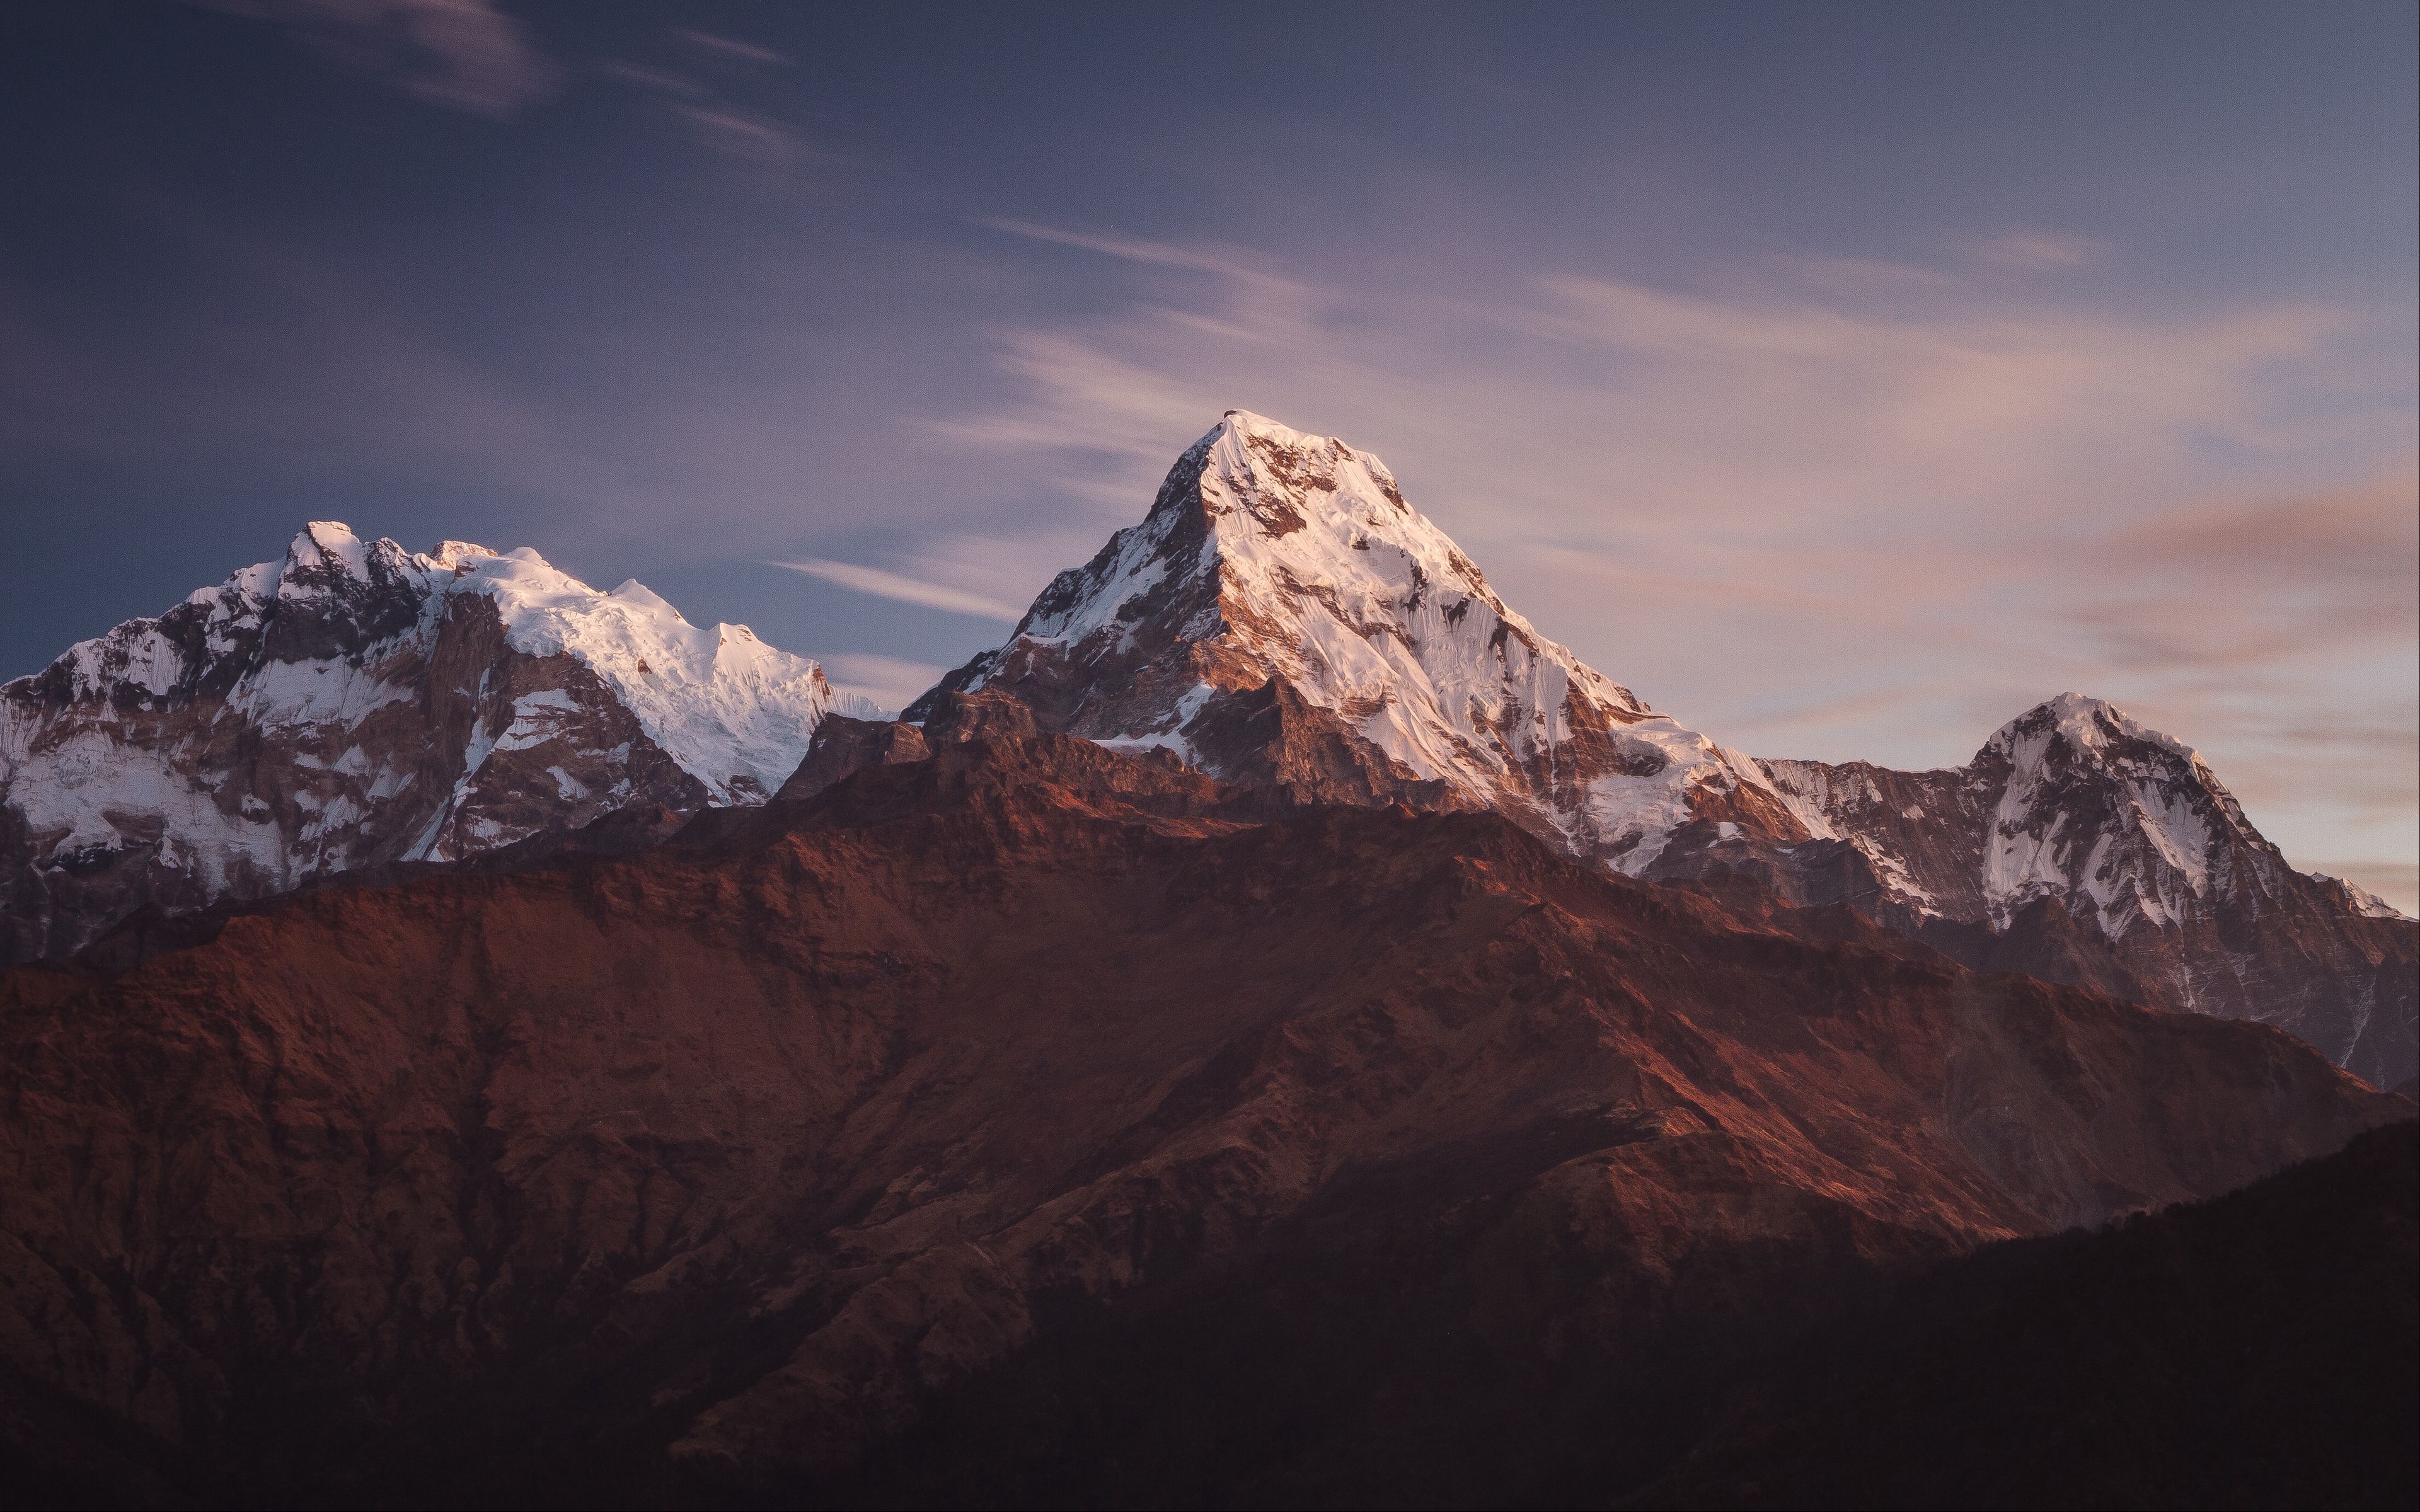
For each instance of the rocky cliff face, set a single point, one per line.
(716, 1170)
(2080, 845)
(1283, 618)
(355, 704)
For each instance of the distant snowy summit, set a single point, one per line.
(356, 703)
(1283, 617)
(2080, 845)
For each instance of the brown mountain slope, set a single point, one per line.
(710, 1171)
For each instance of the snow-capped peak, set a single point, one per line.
(1273, 556)
(2087, 724)
(353, 703)
(457, 556)
(2106, 812)
(732, 710)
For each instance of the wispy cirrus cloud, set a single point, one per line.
(892, 681)
(707, 112)
(463, 54)
(907, 590)
(1228, 263)
(751, 135)
(2285, 579)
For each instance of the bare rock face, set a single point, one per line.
(712, 1171)
(357, 704)
(2081, 846)
(1283, 618)
(841, 745)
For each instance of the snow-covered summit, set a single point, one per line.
(734, 711)
(2114, 817)
(1274, 559)
(353, 703)
(2084, 724)
(2074, 799)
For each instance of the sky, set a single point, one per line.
(1843, 380)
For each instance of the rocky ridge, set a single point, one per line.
(355, 704)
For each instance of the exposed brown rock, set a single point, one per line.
(841, 744)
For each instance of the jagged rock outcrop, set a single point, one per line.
(2080, 845)
(356, 704)
(1029, 1084)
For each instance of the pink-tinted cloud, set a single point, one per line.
(746, 134)
(2032, 251)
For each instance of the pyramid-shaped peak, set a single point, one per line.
(1282, 615)
(1260, 485)
(2082, 723)
(1244, 444)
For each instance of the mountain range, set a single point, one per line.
(1276, 1029)
(1281, 618)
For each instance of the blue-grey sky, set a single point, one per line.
(1843, 378)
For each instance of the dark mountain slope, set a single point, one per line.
(2261, 1350)
(707, 1172)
